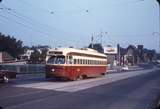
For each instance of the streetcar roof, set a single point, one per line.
(88, 51)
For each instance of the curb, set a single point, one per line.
(120, 71)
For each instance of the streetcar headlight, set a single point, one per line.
(53, 70)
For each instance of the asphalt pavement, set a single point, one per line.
(133, 90)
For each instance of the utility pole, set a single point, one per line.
(92, 41)
(159, 22)
(101, 35)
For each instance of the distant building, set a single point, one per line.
(131, 55)
(140, 53)
(125, 56)
(149, 55)
(5, 57)
(26, 55)
(123, 60)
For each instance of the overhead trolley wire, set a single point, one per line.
(32, 21)
(22, 17)
(24, 25)
(34, 6)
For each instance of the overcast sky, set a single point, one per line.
(72, 22)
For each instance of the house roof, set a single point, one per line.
(132, 47)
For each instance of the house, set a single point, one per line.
(131, 55)
(149, 55)
(5, 57)
(26, 55)
(122, 60)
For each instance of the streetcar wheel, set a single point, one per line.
(80, 77)
(103, 74)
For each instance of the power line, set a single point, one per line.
(50, 11)
(34, 6)
(131, 1)
(79, 7)
(9, 11)
(26, 26)
(22, 17)
(32, 21)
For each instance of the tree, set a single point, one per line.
(11, 45)
(43, 55)
(39, 54)
(35, 57)
(97, 47)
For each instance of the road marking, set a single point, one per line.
(74, 86)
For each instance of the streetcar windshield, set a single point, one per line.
(56, 60)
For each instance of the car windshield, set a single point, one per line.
(56, 60)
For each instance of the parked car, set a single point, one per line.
(125, 68)
(6, 75)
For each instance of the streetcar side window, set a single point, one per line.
(83, 61)
(75, 61)
(70, 60)
(80, 61)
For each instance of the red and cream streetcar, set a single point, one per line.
(74, 63)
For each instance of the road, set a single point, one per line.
(127, 90)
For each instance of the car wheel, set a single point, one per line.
(5, 79)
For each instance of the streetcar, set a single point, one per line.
(73, 64)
